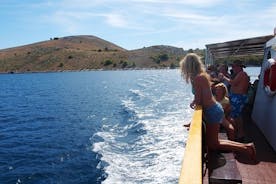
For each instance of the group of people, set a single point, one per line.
(238, 83)
(220, 108)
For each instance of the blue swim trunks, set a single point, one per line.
(237, 102)
(213, 114)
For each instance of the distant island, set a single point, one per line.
(87, 52)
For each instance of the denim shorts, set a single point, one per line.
(213, 114)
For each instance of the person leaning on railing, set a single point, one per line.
(193, 71)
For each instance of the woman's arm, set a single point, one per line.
(227, 108)
(234, 81)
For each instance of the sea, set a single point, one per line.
(93, 127)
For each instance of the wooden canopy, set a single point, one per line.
(243, 47)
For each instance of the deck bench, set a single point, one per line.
(222, 166)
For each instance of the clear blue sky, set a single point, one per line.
(133, 24)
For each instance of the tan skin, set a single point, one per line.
(220, 94)
(239, 85)
(203, 93)
(204, 97)
(201, 82)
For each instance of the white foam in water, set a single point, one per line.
(143, 85)
(156, 155)
(146, 114)
(129, 105)
(137, 92)
(157, 161)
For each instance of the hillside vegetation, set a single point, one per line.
(85, 53)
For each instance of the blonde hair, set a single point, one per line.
(225, 91)
(191, 66)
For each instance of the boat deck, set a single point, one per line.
(264, 170)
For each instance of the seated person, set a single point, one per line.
(221, 95)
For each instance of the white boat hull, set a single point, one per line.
(264, 110)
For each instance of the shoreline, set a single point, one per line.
(101, 69)
(86, 70)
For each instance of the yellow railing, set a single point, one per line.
(191, 171)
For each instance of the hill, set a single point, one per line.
(84, 52)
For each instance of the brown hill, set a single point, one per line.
(157, 56)
(84, 52)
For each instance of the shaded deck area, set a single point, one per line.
(264, 171)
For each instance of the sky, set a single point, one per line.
(134, 24)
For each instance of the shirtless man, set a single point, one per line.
(238, 95)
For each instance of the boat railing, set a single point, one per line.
(191, 170)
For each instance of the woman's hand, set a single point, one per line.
(193, 105)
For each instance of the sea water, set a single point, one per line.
(93, 127)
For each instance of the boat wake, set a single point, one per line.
(147, 144)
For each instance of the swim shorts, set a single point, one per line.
(213, 114)
(237, 102)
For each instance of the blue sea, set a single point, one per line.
(94, 127)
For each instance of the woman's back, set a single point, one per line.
(203, 93)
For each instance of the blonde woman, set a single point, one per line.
(193, 71)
